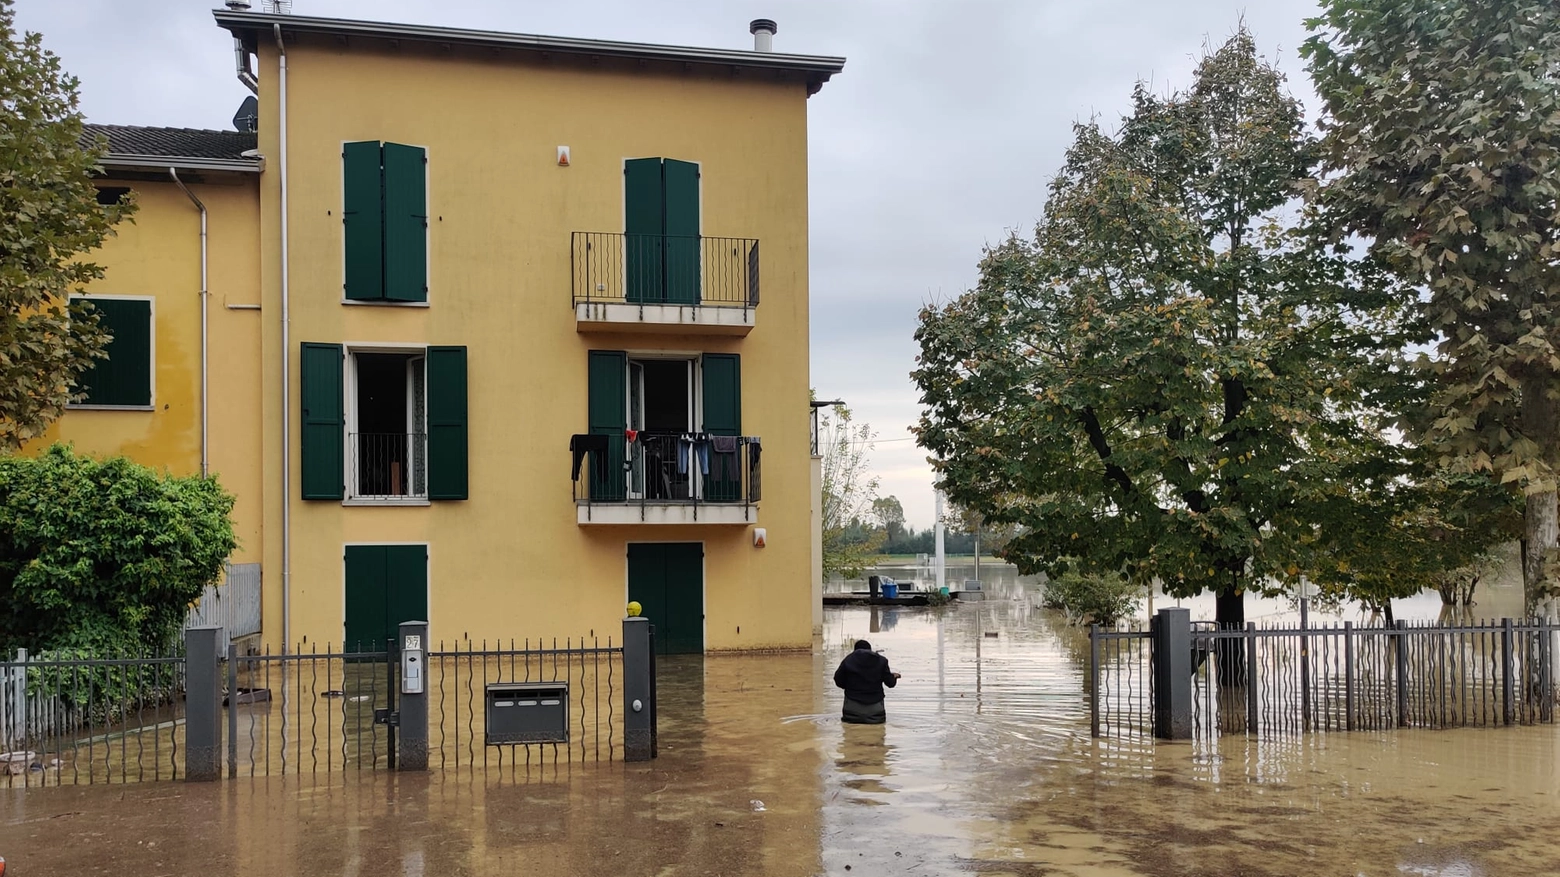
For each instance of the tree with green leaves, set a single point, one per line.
(1173, 380)
(49, 218)
(1426, 530)
(891, 515)
(849, 493)
(1442, 143)
(103, 555)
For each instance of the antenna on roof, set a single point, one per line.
(276, 7)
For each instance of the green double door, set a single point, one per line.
(661, 221)
(667, 580)
(386, 585)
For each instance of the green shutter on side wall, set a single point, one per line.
(644, 222)
(722, 394)
(406, 586)
(680, 195)
(125, 377)
(363, 216)
(406, 223)
(366, 606)
(323, 420)
(608, 415)
(723, 416)
(447, 430)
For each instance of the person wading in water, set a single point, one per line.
(863, 674)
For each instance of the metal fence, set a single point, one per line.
(308, 711)
(679, 270)
(233, 605)
(66, 719)
(462, 673)
(317, 710)
(1275, 681)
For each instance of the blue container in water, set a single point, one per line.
(890, 590)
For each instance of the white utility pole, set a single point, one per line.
(941, 562)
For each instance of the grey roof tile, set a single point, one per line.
(171, 142)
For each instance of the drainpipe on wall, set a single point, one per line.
(281, 85)
(205, 296)
(241, 62)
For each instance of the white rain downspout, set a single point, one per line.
(205, 296)
(281, 128)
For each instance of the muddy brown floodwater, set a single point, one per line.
(985, 767)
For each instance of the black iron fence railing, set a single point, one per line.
(656, 469)
(686, 270)
(387, 465)
(1281, 681)
(68, 717)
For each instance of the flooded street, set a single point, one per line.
(986, 767)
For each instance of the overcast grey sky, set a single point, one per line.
(939, 137)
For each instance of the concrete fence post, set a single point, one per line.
(638, 691)
(412, 742)
(203, 649)
(1173, 674)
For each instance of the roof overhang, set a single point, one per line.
(130, 162)
(815, 70)
(127, 166)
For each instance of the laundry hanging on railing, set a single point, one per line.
(594, 445)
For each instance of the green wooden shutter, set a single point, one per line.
(722, 416)
(447, 432)
(367, 615)
(319, 378)
(680, 195)
(684, 599)
(406, 586)
(125, 377)
(362, 214)
(645, 224)
(722, 394)
(647, 586)
(406, 222)
(608, 416)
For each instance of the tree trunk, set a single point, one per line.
(1230, 614)
(1539, 424)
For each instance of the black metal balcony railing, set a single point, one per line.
(692, 271)
(665, 470)
(387, 465)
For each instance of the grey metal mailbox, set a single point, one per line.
(527, 712)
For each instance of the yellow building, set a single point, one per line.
(500, 331)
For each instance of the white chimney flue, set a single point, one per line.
(763, 31)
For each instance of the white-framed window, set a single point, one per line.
(386, 424)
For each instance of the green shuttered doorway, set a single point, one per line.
(667, 580)
(386, 585)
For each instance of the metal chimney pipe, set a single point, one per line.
(763, 31)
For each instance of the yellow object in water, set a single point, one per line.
(634, 609)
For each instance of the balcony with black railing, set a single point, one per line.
(387, 467)
(686, 283)
(666, 479)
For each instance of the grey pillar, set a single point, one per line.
(638, 691)
(1173, 674)
(412, 746)
(203, 646)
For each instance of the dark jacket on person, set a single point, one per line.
(863, 674)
